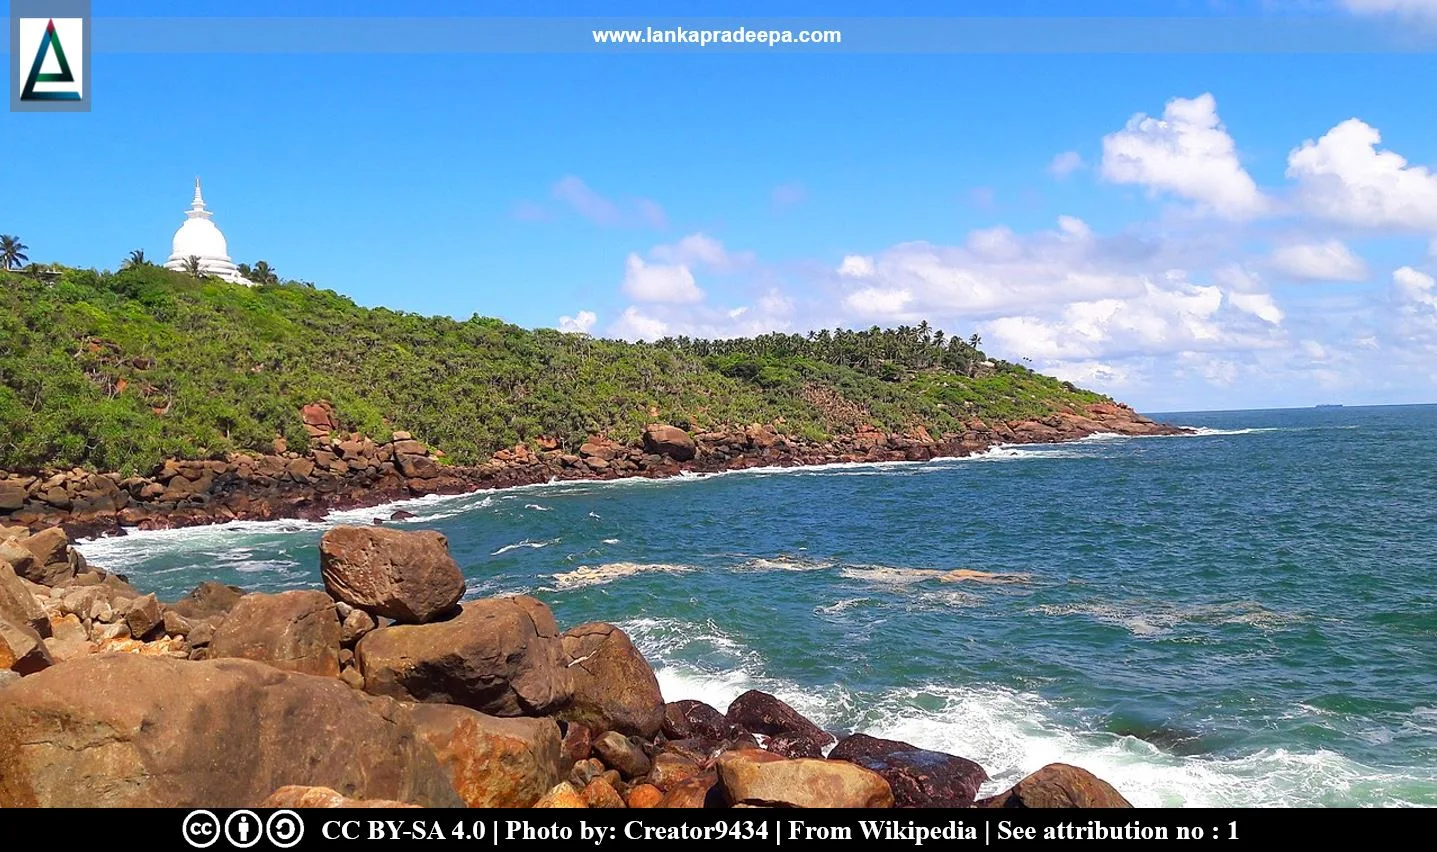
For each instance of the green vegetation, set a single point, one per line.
(118, 370)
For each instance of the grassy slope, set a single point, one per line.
(87, 360)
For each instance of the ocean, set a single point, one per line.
(1246, 616)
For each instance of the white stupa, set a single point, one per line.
(198, 237)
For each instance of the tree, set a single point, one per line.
(193, 267)
(136, 258)
(263, 273)
(12, 252)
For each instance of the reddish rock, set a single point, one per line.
(687, 718)
(407, 576)
(919, 778)
(669, 769)
(296, 631)
(700, 791)
(492, 762)
(645, 796)
(22, 650)
(209, 600)
(18, 605)
(755, 777)
(599, 793)
(663, 439)
(1058, 785)
(563, 795)
(578, 743)
(761, 713)
(614, 687)
(298, 796)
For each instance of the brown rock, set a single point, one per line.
(661, 438)
(493, 762)
(355, 625)
(21, 650)
(18, 605)
(798, 744)
(669, 769)
(919, 778)
(687, 718)
(297, 796)
(501, 656)
(418, 467)
(68, 639)
(578, 743)
(210, 599)
(645, 796)
(295, 631)
(614, 687)
(50, 550)
(599, 793)
(585, 771)
(408, 576)
(1058, 785)
(129, 726)
(761, 713)
(700, 791)
(563, 795)
(623, 754)
(755, 777)
(143, 616)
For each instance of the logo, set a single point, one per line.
(50, 43)
(51, 76)
(201, 829)
(243, 829)
(284, 829)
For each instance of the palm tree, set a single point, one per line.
(192, 267)
(263, 273)
(136, 258)
(12, 252)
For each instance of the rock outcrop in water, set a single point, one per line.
(226, 699)
(341, 471)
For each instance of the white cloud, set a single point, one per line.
(1188, 153)
(1065, 164)
(659, 282)
(699, 249)
(856, 266)
(1329, 260)
(877, 302)
(582, 199)
(1342, 177)
(1260, 305)
(1414, 287)
(634, 324)
(580, 323)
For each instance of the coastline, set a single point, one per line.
(346, 472)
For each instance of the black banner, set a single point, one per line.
(222, 830)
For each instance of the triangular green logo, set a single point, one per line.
(51, 41)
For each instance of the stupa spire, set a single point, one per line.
(197, 207)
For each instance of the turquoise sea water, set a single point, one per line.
(1246, 616)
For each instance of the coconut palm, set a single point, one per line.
(12, 252)
(192, 267)
(263, 273)
(136, 258)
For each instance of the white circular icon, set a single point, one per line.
(243, 829)
(284, 828)
(201, 829)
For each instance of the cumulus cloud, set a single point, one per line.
(856, 266)
(659, 282)
(1329, 260)
(578, 196)
(1414, 287)
(1065, 164)
(1344, 178)
(1187, 153)
(580, 323)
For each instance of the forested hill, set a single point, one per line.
(117, 371)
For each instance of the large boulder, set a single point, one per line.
(209, 601)
(17, 605)
(761, 713)
(408, 576)
(663, 439)
(1058, 785)
(297, 796)
(125, 730)
(688, 718)
(21, 649)
(614, 687)
(50, 549)
(296, 631)
(755, 777)
(919, 778)
(493, 762)
(501, 656)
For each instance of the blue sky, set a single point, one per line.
(1183, 231)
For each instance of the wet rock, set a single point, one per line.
(798, 744)
(296, 631)
(614, 687)
(687, 718)
(1058, 785)
(157, 732)
(493, 762)
(407, 576)
(623, 754)
(756, 777)
(761, 713)
(919, 778)
(501, 656)
(297, 796)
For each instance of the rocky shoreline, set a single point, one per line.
(384, 690)
(349, 471)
